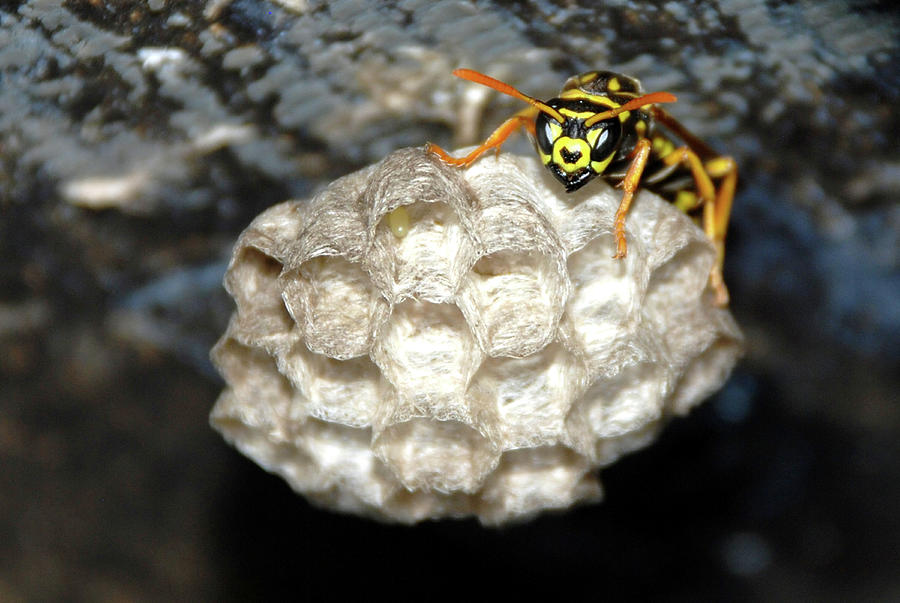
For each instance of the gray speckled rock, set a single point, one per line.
(188, 106)
(138, 139)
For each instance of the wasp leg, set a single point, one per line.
(629, 184)
(524, 118)
(723, 168)
(716, 205)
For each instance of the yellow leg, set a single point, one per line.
(524, 118)
(716, 205)
(629, 184)
(726, 169)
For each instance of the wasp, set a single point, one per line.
(603, 124)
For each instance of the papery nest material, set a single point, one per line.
(487, 362)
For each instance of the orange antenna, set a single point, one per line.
(647, 99)
(484, 80)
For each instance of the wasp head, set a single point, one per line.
(573, 152)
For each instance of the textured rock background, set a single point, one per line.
(138, 138)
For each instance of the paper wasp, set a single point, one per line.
(602, 123)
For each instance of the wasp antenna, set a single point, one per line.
(486, 80)
(641, 101)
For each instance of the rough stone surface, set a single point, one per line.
(483, 363)
(138, 139)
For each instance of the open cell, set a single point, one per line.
(608, 450)
(446, 456)
(272, 450)
(628, 401)
(421, 250)
(343, 461)
(687, 270)
(252, 279)
(265, 394)
(623, 407)
(533, 479)
(428, 354)
(513, 301)
(342, 391)
(335, 304)
(604, 304)
(416, 505)
(529, 397)
(256, 412)
(717, 359)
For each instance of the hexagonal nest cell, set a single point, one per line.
(419, 341)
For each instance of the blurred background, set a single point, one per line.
(137, 139)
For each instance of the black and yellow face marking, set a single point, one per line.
(574, 152)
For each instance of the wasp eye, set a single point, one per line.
(544, 133)
(604, 138)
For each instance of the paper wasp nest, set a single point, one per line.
(487, 362)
